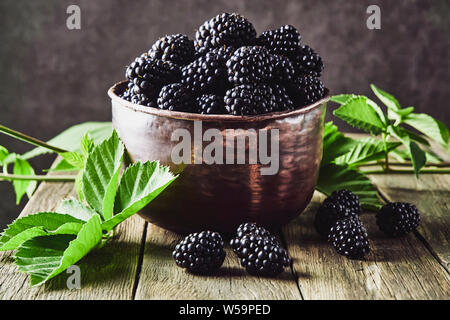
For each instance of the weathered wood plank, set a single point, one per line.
(108, 273)
(396, 268)
(431, 194)
(160, 278)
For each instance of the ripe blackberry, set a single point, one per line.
(306, 90)
(398, 218)
(211, 104)
(260, 256)
(176, 48)
(140, 98)
(285, 40)
(200, 252)
(307, 62)
(349, 238)
(249, 228)
(282, 100)
(176, 97)
(226, 29)
(327, 215)
(249, 65)
(223, 53)
(283, 70)
(206, 74)
(347, 198)
(149, 75)
(246, 100)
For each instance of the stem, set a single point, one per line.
(386, 159)
(406, 164)
(31, 140)
(426, 171)
(8, 177)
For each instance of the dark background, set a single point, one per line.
(52, 77)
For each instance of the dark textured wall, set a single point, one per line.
(51, 77)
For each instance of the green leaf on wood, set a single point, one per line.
(76, 209)
(335, 143)
(22, 187)
(367, 150)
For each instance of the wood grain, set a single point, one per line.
(395, 269)
(108, 273)
(160, 278)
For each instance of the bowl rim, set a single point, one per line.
(112, 93)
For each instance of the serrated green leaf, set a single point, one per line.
(367, 150)
(62, 166)
(70, 138)
(45, 257)
(360, 114)
(38, 224)
(335, 177)
(3, 154)
(74, 158)
(387, 99)
(429, 126)
(87, 144)
(140, 184)
(335, 143)
(101, 173)
(342, 98)
(76, 209)
(22, 187)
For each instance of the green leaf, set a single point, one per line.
(387, 99)
(432, 158)
(38, 224)
(101, 173)
(62, 166)
(360, 114)
(76, 209)
(22, 167)
(87, 144)
(335, 177)
(74, 158)
(45, 257)
(416, 137)
(342, 98)
(430, 127)
(3, 154)
(79, 184)
(335, 143)
(140, 184)
(70, 138)
(367, 150)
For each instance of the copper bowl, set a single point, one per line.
(221, 196)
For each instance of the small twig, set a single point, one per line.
(31, 140)
(425, 171)
(9, 177)
(406, 164)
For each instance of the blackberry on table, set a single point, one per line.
(250, 228)
(200, 252)
(327, 215)
(306, 90)
(249, 65)
(284, 40)
(176, 48)
(307, 62)
(246, 100)
(349, 238)
(226, 29)
(211, 104)
(260, 256)
(206, 74)
(283, 69)
(176, 97)
(149, 75)
(347, 199)
(398, 218)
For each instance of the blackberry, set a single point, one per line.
(327, 215)
(283, 69)
(307, 62)
(211, 104)
(176, 97)
(249, 228)
(282, 100)
(260, 256)
(140, 99)
(347, 198)
(349, 238)
(398, 218)
(306, 90)
(176, 48)
(206, 74)
(247, 100)
(285, 40)
(200, 252)
(223, 53)
(226, 29)
(149, 75)
(249, 65)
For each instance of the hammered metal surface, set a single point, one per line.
(221, 196)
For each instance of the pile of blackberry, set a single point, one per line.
(338, 219)
(227, 69)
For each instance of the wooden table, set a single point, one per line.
(137, 263)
